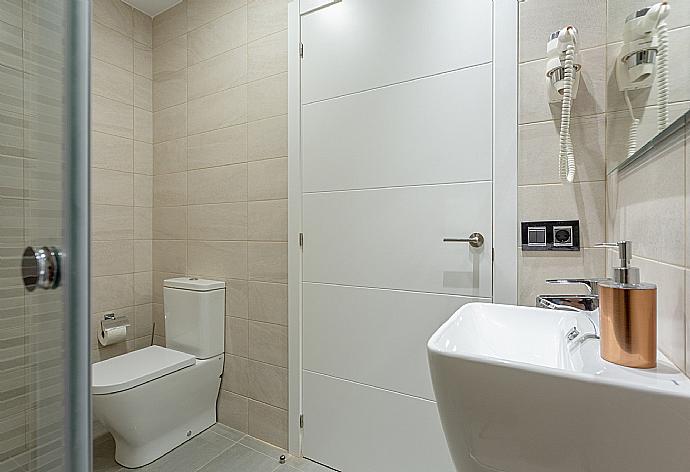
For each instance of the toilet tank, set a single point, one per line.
(194, 316)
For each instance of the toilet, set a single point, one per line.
(154, 399)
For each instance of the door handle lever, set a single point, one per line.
(475, 240)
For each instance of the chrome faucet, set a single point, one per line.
(589, 302)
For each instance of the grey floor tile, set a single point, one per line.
(191, 455)
(262, 447)
(10, 465)
(104, 455)
(227, 431)
(305, 465)
(241, 459)
(286, 468)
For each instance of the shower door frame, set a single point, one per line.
(505, 220)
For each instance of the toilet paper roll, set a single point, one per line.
(112, 335)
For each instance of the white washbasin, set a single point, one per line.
(515, 395)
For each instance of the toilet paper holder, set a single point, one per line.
(111, 321)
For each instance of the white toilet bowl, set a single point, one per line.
(154, 399)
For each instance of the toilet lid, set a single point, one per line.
(135, 368)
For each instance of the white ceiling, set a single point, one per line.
(152, 7)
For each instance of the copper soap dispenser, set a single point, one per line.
(627, 310)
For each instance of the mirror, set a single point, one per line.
(648, 74)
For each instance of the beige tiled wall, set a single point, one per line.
(121, 172)
(649, 205)
(646, 204)
(599, 129)
(220, 187)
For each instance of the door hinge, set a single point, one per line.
(301, 240)
(301, 50)
(301, 421)
(493, 254)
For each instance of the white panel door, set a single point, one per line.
(431, 130)
(372, 430)
(336, 318)
(357, 45)
(393, 238)
(397, 154)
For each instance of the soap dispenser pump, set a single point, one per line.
(627, 312)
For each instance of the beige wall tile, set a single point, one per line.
(143, 60)
(224, 221)
(112, 117)
(169, 89)
(237, 336)
(110, 187)
(224, 184)
(268, 384)
(112, 82)
(268, 220)
(142, 222)
(268, 423)
(226, 259)
(235, 375)
(233, 410)
(143, 190)
(170, 123)
(142, 292)
(143, 93)
(112, 257)
(581, 201)
(170, 256)
(113, 13)
(651, 197)
(218, 73)
(170, 24)
(267, 261)
(219, 110)
(143, 158)
(539, 145)
(535, 267)
(170, 57)
(200, 12)
(217, 148)
(111, 152)
(143, 125)
(265, 17)
(268, 179)
(540, 18)
(220, 35)
(267, 56)
(671, 300)
(142, 28)
(170, 222)
(110, 222)
(591, 96)
(110, 46)
(267, 97)
(236, 298)
(268, 343)
(170, 189)
(268, 302)
(143, 252)
(112, 292)
(267, 138)
(170, 156)
(143, 321)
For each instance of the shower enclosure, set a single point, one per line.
(44, 236)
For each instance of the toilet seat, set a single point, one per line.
(135, 368)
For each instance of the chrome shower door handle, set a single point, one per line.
(41, 268)
(475, 240)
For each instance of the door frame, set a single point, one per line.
(505, 220)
